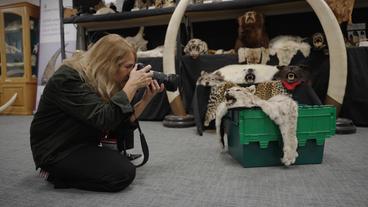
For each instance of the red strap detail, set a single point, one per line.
(290, 86)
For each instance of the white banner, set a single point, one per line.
(49, 57)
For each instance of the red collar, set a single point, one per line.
(290, 86)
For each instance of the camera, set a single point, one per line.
(169, 80)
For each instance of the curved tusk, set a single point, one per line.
(9, 103)
(337, 51)
(169, 54)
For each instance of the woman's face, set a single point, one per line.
(122, 75)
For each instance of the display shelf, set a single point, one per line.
(161, 16)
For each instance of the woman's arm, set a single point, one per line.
(150, 92)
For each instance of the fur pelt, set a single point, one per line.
(282, 109)
(239, 74)
(157, 52)
(343, 9)
(196, 47)
(138, 41)
(221, 52)
(253, 55)
(293, 73)
(104, 10)
(285, 47)
(164, 3)
(251, 31)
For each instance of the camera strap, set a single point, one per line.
(143, 144)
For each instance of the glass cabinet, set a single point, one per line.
(19, 33)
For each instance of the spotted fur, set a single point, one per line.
(217, 96)
(269, 89)
(195, 48)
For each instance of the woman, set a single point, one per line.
(90, 95)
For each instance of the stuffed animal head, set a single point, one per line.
(240, 96)
(318, 41)
(250, 77)
(195, 48)
(251, 19)
(210, 79)
(292, 73)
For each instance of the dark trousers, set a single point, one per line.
(92, 168)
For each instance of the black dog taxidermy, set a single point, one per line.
(292, 75)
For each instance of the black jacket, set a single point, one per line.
(71, 114)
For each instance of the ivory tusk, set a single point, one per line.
(337, 51)
(9, 103)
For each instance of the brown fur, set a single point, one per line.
(343, 9)
(251, 31)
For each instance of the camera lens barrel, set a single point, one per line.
(169, 80)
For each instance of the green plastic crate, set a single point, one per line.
(255, 140)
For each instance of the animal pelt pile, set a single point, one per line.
(282, 109)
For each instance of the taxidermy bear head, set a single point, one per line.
(251, 31)
(292, 73)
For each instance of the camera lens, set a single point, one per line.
(169, 80)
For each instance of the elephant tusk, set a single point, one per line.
(337, 51)
(176, 104)
(9, 103)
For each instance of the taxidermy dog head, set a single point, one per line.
(195, 48)
(318, 40)
(210, 79)
(292, 73)
(251, 31)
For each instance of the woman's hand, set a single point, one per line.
(151, 90)
(139, 78)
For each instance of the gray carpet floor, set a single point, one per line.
(188, 170)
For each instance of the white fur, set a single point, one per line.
(157, 52)
(282, 109)
(253, 55)
(236, 73)
(285, 47)
(138, 41)
(104, 10)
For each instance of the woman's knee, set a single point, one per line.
(122, 180)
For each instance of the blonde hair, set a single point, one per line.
(99, 65)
